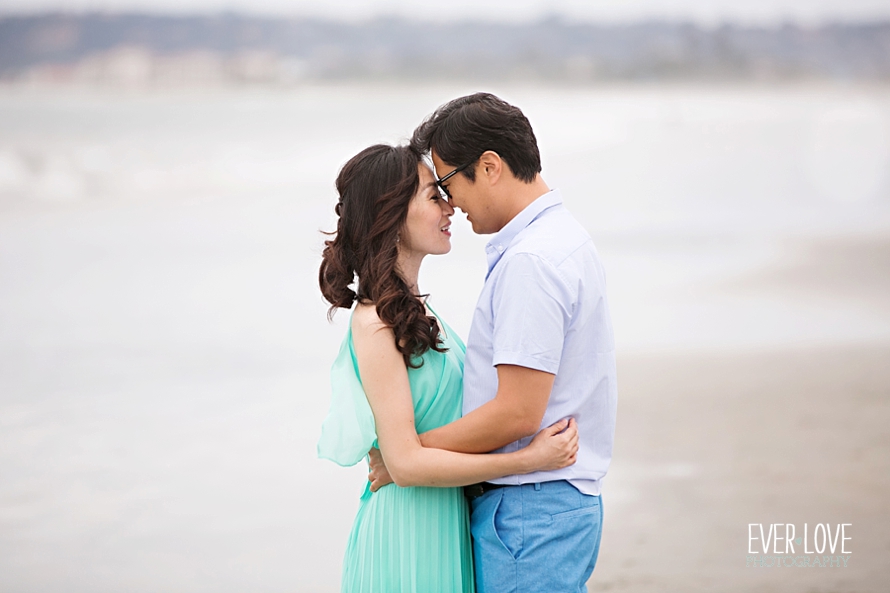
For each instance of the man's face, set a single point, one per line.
(466, 195)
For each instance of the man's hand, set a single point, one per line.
(379, 475)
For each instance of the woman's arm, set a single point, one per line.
(385, 381)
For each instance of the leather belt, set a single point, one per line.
(476, 490)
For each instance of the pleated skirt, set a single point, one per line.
(410, 540)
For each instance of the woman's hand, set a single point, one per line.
(554, 447)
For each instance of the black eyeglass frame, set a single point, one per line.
(439, 182)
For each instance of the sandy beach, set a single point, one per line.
(710, 443)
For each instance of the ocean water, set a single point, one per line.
(164, 349)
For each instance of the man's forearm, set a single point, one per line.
(485, 429)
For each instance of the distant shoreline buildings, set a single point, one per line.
(141, 50)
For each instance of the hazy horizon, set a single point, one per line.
(703, 13)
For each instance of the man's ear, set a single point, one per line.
(491, 165)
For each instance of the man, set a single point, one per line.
(540, 349)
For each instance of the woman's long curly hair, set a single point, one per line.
(376, 187)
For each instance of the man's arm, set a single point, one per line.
(515, 412)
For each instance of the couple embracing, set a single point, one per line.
(506, 439)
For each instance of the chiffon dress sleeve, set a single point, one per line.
(348, 431)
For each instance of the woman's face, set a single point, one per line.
(427, 228)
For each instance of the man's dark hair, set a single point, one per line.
(462, 129)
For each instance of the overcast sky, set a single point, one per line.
(702, 11)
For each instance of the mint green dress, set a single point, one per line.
(404, 540)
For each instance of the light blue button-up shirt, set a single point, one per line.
(544, 307)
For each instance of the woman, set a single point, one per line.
(399, 373)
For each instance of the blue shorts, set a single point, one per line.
(535, 537)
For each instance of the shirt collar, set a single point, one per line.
(499, 243)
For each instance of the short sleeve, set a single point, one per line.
(531, 307)
(348, 432)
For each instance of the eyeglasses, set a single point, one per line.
(440, 182)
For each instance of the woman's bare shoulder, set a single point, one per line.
(373, 339)
(367, 323)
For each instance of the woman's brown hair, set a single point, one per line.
(376, 187)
